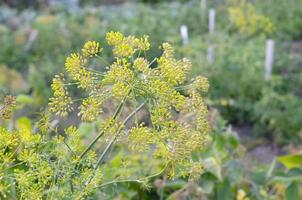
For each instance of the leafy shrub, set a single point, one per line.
(238, 84)
(248, 22)
(280, 114)
(286, 16)
(236, 75)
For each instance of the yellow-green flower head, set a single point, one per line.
(126, 46)
(197, 169)
(90, 109)
(140, 138)
(248, 22)
(143, 43)
(198, 106)
(60, 103)
(91, 48)
(6, 110)
(140, 64)
(114, 38)
(119, 72)
(10, 100)
(76, 67)
(123, 50)
(73, 64)
(201, 83)
(119, 89)
(173, 71)
(168, 50)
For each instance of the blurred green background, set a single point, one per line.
(254, 120)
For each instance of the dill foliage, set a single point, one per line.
(40, 165)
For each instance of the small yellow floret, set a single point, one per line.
(91, 48)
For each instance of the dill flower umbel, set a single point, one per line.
(60, 103)
(6, 110)
(73, 65)
(140, 64)
(143, 43)
(90, 109)
(126, 46)
(91, 48)
(174, 71)
(201, 83)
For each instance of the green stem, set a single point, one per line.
(96, 72)
(183, 87)
(116, 114)
(74, 83)
(103, 60)
(112, 141)
(119, 181)
(118, 132)
(152, 62)
(69, 148)
(134, 180)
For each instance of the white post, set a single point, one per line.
(203, 5)
(212, 14)
(184, 34)
(31, 39)
(211, 54)
(211, 50)
(269, 59)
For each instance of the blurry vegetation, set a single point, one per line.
(37, 36)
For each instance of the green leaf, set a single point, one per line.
(175, 184)
(224, 191)
(24, 99)
(117, 160)
(86, 129)
(23, 124)
(211, 165)
(291, 161)
(285, 179)
(292, 191)
(271, 169)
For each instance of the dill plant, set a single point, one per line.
(35, 165)
(9, 102)
(248, 22)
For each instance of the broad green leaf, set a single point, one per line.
(211, 165)
(24, 99)
(292, 191)
(175, 184)
(291, 161)
(24, 126)
(285, 178)
(224, 191)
